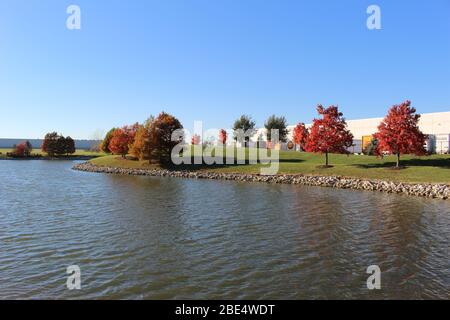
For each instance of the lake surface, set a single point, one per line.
(168, 238)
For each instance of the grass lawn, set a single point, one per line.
(432, 169)
(78, 152)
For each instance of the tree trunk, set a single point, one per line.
(326, 159)
(398, 159)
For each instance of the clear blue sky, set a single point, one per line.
(213, 60)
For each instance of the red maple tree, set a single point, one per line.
(195, 139)
(399, 132)
(301, 135)
(119, 142)
(329, 134)
(20, 150)
(223, 136)
(122, 139)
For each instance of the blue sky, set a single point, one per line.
(213, 60)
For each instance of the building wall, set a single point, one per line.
(36, 143)
(433, 124)
(429, 123)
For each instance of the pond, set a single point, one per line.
(168, 238)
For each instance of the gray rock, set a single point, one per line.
(440, 191)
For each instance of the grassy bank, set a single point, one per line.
(78, 153)
(430, 169)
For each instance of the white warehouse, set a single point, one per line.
(436, 125)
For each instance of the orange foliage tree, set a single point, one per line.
(153, 140)
(143, 144)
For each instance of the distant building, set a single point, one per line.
(36, 143)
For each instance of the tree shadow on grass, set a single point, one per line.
(291, 160)
(204, 166)
(441, 163)
(198, 167)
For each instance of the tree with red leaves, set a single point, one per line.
(301, 135)
(195, 140)
(20, 150)
(329, 134)
(122, 139)
(119, 143)
(223, 136)
(399, 132)
(23, 149)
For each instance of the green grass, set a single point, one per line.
(431, 169)
(78, 152)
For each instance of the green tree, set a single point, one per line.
(60, 146)
(69, 146)
(56, 145)
(276, 123)
(105, 143)
(247, 125)
(50, 144)
(28, 148)
(160, 141)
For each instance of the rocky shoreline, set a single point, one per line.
(439, 191)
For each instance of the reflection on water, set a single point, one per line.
(164, 238)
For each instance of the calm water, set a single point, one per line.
(165, 238)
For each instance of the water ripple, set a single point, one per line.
(153, 238)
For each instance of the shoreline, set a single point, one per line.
(74, 158)
(427, 190)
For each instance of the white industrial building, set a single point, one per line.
(435, 125)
